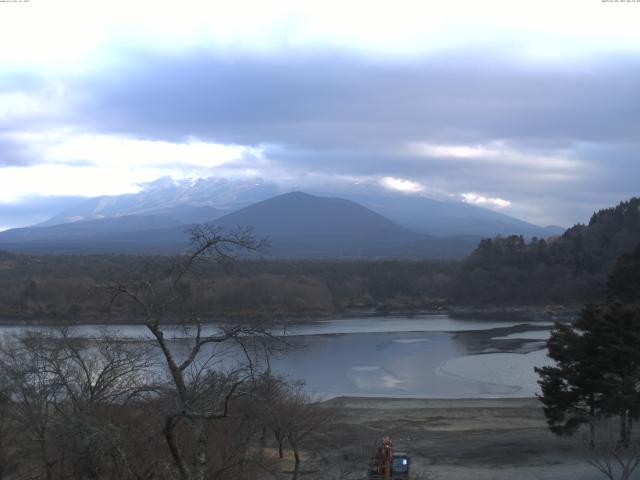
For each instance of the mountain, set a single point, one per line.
(206, 199)
(303, 225)
(186, 201)
(445, 218)
(135, 234)
(298, 225)
(88, 229)
(300, 214)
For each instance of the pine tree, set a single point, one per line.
(597, 371)
(618, 330)
(624, 281)
(573, 390)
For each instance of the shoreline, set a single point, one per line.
(374, 402)
(527, 313)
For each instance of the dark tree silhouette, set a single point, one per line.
(200, 388)
(597, 371)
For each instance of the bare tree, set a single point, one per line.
(188, 401)
(8, 433)
(604, 451)
(102, 371)
(306, 418)
(271, 393)
(293, 416)
(99, 377)
(34, 392)
(201, 387)
(63, 391)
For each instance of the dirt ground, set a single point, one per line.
(462, 439)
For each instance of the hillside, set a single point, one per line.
(88, 229)
(299, 214)
(307, 226)
(569, 268)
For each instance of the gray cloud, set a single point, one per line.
(328, 100)
(14, 153)
(334, 113)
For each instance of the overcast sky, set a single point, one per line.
(528, 107)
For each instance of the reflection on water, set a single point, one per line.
(433, 364)
(373, 377)
(423, 356)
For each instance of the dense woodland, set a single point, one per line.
(567, 269)
(504, 271)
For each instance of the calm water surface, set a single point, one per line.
(421, 356)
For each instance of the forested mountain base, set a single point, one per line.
(504, 271)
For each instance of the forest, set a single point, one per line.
(501, 272)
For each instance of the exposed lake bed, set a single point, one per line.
(463, 439)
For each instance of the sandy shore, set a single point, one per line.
(464, 439)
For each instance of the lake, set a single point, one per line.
(427, 356)
(432, 356)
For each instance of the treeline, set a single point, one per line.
(570, 269)
(65, 287)
(565, 270)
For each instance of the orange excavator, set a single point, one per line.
(387, 465)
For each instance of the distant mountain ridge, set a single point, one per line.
(89, 228)
(445, 218)
(299, 225)
(186, 201)
(207, 199)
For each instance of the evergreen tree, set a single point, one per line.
(573, 390)
(597, 371)
(618, 330)
(624, 281)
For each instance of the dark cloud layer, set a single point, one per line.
(334, 113)
(14, 153)
(329, 100)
